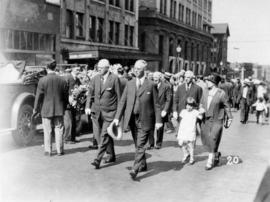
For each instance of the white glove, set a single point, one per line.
(87, 111)
(163, 113)
(116, 122)
(175, 115)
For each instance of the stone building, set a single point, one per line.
(29, 31)
(179, 32)
(94, 29)
(219, 50)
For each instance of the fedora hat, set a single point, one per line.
(115, 131)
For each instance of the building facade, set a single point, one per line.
(179, 32)
(219, 50)
(94, 29)
(29, 31)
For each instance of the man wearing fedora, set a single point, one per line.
(51, 99)
(142, 113)
(102, 101)
(246, 99)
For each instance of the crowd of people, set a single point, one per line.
(144, 103)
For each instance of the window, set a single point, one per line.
(129, 5)
(174, 9)
(126, 35)
(92, 28)
(69, 24)
(171, 45)
(171, 9)
(111, 32)
(115, 3)
(200, 3)
(209, 6)
(100, 30)
(17, 40)
(199, 21)
(131, 35)
(117, 32)
(181, 13)
(143, 36)
(79, 24)
(188, 16)
(161, 6)
(205, 4)
(160, 44)
(194, 19)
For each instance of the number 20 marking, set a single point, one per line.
(233, 160)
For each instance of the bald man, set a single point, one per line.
(142, 113)
(102, 101)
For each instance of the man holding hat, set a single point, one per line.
(51, 99)
(185, 90)
(142, 113)
(102, 101)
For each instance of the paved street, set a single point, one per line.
(27, 175)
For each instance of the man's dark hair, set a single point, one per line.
(52, 65)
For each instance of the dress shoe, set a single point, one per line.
(191, 162)
(209, 167)
(185, 159)
(47, 154)
(60, 154)
(93, 147)
(96, 163)
(150, 147)
(109, 160)
(142, 169)
(217, 158)
(133, 174)
(157, 147)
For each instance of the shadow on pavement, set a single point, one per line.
(75, 150)
(124, 157)
(155, 168)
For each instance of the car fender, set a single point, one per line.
(18, 102)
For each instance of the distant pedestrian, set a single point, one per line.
(51, 99)
(246, 100)
(261, 109)
(187, 130)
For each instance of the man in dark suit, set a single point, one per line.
(246, 98)
(185, 90)
(102, 101)
(165, 101)
(70, 113)
(51, 100)
(141, 110)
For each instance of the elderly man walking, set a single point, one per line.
(141, 110)
(102, 101)
(51, 99)
(185, 90)
(165, 102)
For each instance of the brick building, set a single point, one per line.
(165, 25)
(29, 31)
(219, 50)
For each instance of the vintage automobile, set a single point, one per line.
(16, 107)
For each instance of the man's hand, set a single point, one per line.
(87, 111)
(201, 110)
(116, 122)
(175, 115)
(158, 125)
(163, 113)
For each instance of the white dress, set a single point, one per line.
(187, 127)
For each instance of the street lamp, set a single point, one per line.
(178, 50)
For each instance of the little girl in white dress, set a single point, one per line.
(187, 130)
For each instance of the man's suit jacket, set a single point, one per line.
(51, 96)
(249, 97)
(104, 97)
(165, 98)
(150, 112)
(181, 95)
(219, 106)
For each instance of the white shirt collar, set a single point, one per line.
(105, 76)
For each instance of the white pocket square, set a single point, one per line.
(148, 93)
(108, 88)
